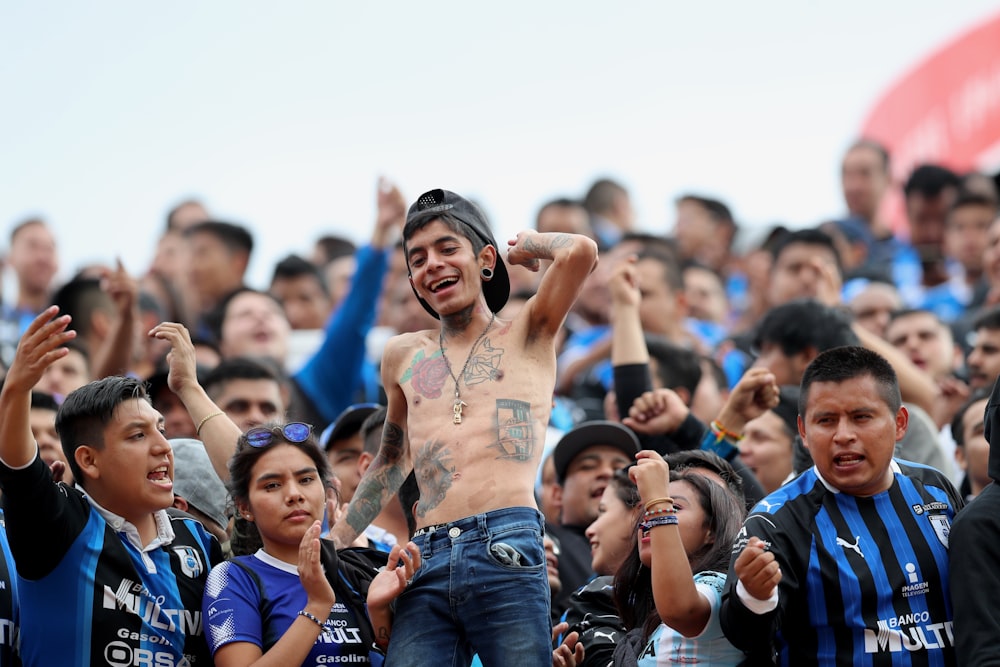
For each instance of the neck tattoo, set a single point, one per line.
(459, 403)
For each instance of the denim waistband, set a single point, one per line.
(482, 522)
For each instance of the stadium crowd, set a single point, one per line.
(740, 453)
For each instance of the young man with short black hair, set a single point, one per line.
(848, 563)
(468, 406)
(105, 575)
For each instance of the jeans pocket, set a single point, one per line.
(517, 549)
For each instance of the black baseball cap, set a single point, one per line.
(347, 423)
(431, 205)
(592, 434)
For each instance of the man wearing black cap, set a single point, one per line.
(468, 406)
(585, 459)
(344, 445)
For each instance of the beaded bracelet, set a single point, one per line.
(657, 501)
(667, 520)
(723, 432)
(660, 512)
(312, 618)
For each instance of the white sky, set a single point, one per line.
(280, 115)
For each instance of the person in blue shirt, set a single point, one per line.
(296, 601)
(847, 564)
(252, 323)
(106, 574)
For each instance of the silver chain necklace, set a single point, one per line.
(459, 403)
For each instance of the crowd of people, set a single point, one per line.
(591, 445)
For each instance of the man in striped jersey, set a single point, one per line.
(106, 574)
(847, 564)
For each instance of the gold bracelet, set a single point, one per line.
(657, 501)
(197, 431)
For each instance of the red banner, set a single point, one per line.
(947, 109)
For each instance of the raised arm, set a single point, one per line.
(390, 466)
(915, 385)
(332, 375)
(573, 258)
(40, 346)
(215, 429)
(755, 393)
(115, 355)
(677, 600)
(628, 343)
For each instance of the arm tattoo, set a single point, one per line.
(392, 442)
(382, 479)
(434, 472)
(515, 437)
(544, 249)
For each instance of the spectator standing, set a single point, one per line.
(670, 589)
(473, 433)
(849, 562)
(975, 551)
(133, 573)
(585, 459)
(611, 213)
(296, 601)
(35, 262)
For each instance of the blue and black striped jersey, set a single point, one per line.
(89, 596)
(864, 579)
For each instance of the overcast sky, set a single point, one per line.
(280, 116)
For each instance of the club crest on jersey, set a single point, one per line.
(930, 507)
(942, 527)
(190, 560)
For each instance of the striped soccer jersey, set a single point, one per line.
(864, 580)
(90, 597)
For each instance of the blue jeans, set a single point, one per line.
(482, 588)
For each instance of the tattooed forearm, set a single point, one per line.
(382, 479)
(544, 247)
(434, 475)
(515, 436)
(392, 442)
(375, 488)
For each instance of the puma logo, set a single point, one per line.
(610, 635)
(856, 548)
(769, 506)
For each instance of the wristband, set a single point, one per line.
(721, 430)
(667, 520)
(719, 443)
(315, 620)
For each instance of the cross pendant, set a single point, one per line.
(457, 408)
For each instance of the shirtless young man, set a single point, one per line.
(468, 408)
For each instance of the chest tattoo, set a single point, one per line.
(515, 437)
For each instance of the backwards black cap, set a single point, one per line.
(431, 205)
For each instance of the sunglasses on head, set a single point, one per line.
(261, 436)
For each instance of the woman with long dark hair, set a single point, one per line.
(668, 591)
(296, 600)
